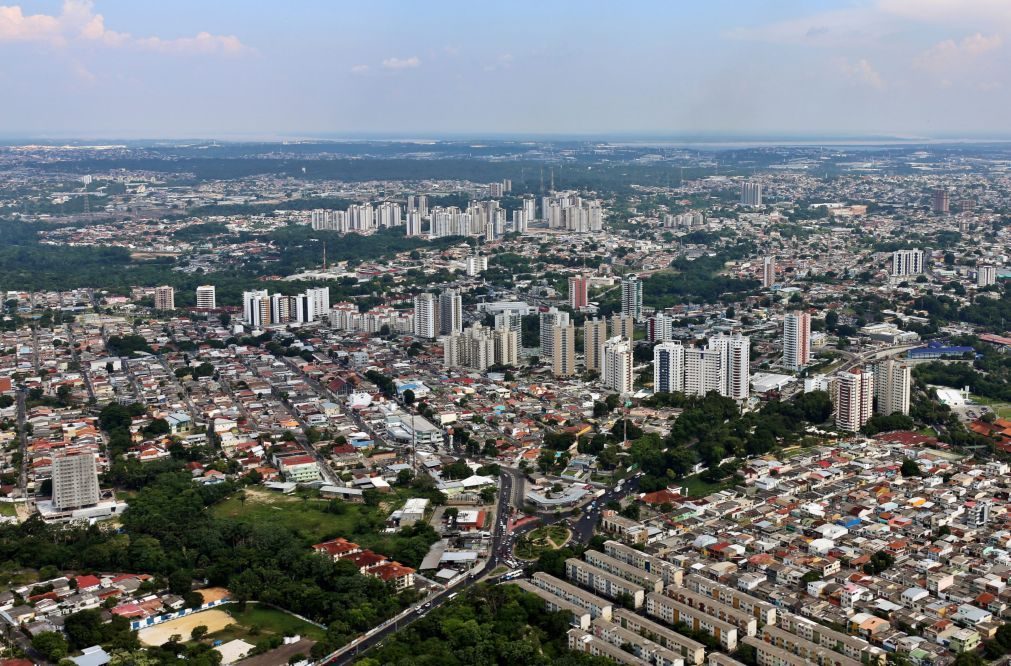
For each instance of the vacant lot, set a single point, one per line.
(309, 517)
(214, 620)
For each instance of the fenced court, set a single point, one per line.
(214, 620)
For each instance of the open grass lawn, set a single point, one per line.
(267, 620)
(699, 488)
(308, 517)
(1001, 409)
(543, 539)
(7, 509)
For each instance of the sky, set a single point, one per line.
(249, 68)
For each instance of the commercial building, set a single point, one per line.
(796, 340)
(164, 298)
(617, 371)
(75, 481)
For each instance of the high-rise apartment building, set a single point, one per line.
(206, 299)
(256, 308)
(450, 312)
(940, 201)
(164, 298)
(986, 275)
(907, 262)
(735, 364)
(623, 325)
(563, 350)
(751, 193)
(476, 264)
(892, 382)
(549, 319)
(703, 371)
(75, 481)
(579, 291)
(669, 367)
(796, 340)
(594, 337)
(631, 296)
(854, 399)
(426, 316)
(617, 371)
(660, 327)
(509, 321)
(768, 272)
(413, 223)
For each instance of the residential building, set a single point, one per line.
(75, 481)
(796, 340)
(892, 381)
(768, 272)
(907, 262)
(550, 318)
(617, 371)
(164, 298)
(450, 312)
(751, 193)
(854, 397)
(631, 296)
(986, 275)
(563, 350)
(594, 337)
(669, 367)
(579, 292)
(206, 299)
(426, 316)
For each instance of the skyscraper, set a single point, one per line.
(735, 364)
(256, 308)
(768, 272)
(796, 340)
(579, 291)
(426, 316)
(854, 397)
(164, 298)
(75, 481)
(986, 275)
(907, 262)
(617, 370)
(563, 350)
(631, 296)
(751, 193)
(940, 201)
(669, 367)
(892, 380)
(206, 299)
(594, 337)
(549, 319)
(450, 312)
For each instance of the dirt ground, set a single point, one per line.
(213, 619)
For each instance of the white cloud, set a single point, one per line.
(862, 72)
(359, 69)
(77, 22)
(950, 55)
(402, 63)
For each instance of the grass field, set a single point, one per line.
(543, 539)
(308, 517)
(257, 621)
(7, 509)
(699, 488)
(1001, 409)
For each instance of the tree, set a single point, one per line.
(51, 645)
(910, 468)
(408, 397)
(199, 632)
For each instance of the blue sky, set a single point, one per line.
(187, 68)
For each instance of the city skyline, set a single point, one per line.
(885, 68)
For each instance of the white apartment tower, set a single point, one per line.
(549, 319)
(854, 395)
(206, 299)
(768, 272)
(75, 481)
(702, 367)
(413, 223)
(892, 381)
(735, 364)
(669, 367)
(751, 193)
(164, 298)
(617, 372)
(796, 340)
(631, 296)
(256, 308)
(986, 275)
(907, 262)
(426, 316)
